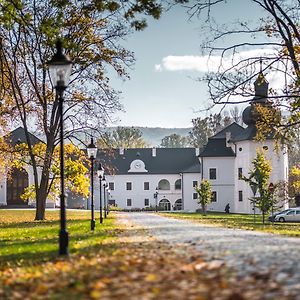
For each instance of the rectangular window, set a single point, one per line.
(240, 173)
(240, 196)
(214, 196)
(146, 202)
(195, 196)
(128, 186)
(213, 173)
(129, 202)
(195, 183)
(146, 186)
(111, 186)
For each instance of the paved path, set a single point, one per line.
(247, 252)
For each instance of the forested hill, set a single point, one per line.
(154, 135)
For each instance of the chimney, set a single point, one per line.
(197, 151)
(228, 137)
(121, 151)
(153, 152)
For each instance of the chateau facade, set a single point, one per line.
(166, 177)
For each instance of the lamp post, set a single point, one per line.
(92, 153)
(100, 174)
(155, 197)
(60, 67)
(105, 197)
(108, 196)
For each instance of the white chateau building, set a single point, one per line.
(166, 177)
(139, 178)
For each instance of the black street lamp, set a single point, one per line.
(104, 200)
(92, 153)
(105, 185)
(155, 197)
(100, 174)
(108, 195)
(60, 67)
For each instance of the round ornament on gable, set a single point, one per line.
(137, 165)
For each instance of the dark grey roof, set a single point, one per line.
(166, 161)
(18, 136)
(193, 169)
(216, 148)
(234, 128)
(248, 134)
(216, 145)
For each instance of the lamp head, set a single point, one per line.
(91, 150)
(60, 67)
(100, 171)
(104, 180)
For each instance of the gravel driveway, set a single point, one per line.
(247, 252)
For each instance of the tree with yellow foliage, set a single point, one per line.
(294, 184)
(204, 194)
(76, 171)
(259, 176)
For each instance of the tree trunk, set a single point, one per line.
(263, 217)
(40, 205)
(203, 209)
(42, 189)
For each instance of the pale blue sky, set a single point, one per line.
(167, 98)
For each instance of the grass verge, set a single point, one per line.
(24, 241)
(241, 221)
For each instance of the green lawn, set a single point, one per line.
(242, 221)
(26, 241)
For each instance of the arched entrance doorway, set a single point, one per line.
(164, 204)
(178, 204)
(15, 187)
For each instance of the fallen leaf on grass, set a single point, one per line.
(151, 278)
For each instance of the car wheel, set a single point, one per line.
(281, 219)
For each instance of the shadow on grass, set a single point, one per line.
(30, 258)
(39, 223)
(41, 244)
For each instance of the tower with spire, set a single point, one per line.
(231, 152)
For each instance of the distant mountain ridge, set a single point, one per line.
(154, 135)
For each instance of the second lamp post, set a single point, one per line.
(100, 173)
(92, 153)
(105, 198)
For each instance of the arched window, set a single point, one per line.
(178, 204)
(15, 187)
(164, 204)
(164, 184)
(178, 184)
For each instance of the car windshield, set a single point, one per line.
(284, 211)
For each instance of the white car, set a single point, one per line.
(291, 215)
